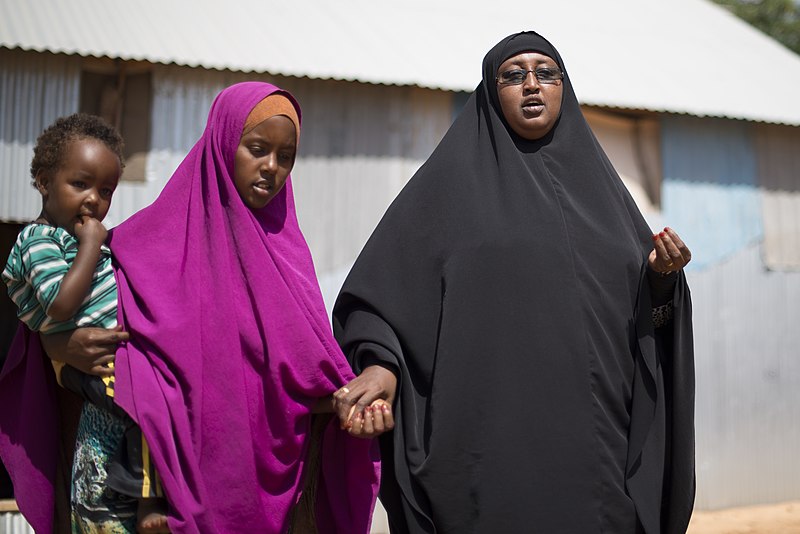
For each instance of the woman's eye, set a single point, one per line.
(286, 156)
(79, 184)
(106, 192)
(513, 76)
(548, 74)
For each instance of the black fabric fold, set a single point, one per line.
(507, 285)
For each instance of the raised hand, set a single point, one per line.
(90, 230)
(669, 252)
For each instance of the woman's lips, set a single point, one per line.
(262, 188)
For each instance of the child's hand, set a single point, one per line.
(90, 231)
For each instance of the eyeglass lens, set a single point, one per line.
(517, 76)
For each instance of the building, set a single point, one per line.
(696, 109)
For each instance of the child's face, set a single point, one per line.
(81, 186)
(264, 159)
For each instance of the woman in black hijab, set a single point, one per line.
(506, 300)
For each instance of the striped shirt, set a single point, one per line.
(40, 259)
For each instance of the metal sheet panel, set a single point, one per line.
(35, 89)
(748, 382)
(778, 154)
(620, 54)
(710, 193)
(14, 523)
(632, 146)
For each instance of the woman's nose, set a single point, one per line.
(269, 164)
(530, 82)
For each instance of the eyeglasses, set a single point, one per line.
(548, 75)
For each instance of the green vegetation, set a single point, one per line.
(778, 18)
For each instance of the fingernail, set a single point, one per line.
(661, 234)
(666, 228)
(386, 408)
(655, 237)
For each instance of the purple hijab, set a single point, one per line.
(230, 349)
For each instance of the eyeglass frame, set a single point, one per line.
(532, 71)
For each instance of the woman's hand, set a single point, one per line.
(669, 253)
(364, 405)
(87, 349)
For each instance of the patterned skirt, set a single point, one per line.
(95, 508)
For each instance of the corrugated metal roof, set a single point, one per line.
(681, 56)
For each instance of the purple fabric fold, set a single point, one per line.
(231, 347)
(29, 428)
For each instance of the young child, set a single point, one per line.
(59, 275)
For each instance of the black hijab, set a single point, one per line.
(506, 287)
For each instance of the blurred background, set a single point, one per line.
(696, 107)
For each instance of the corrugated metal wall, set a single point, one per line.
(746, 316)
(14, 523)
(35, 89)
(362, 144)
(710, 192)
(748, 382)
(778, 150)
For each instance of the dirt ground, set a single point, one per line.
(783, 518)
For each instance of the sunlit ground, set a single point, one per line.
(783, 518)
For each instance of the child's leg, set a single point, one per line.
(151, 517)
(132, 473)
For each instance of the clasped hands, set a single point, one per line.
(364, 405)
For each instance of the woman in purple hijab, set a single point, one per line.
(230, 350)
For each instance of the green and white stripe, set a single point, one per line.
(41, 257)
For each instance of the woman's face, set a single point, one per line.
(264, 159)
(530, 108)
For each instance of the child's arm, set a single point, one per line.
(76, 283)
